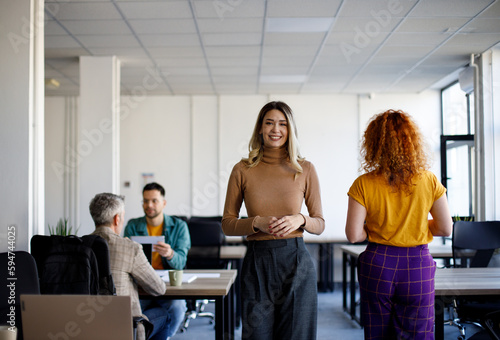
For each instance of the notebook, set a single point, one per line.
(96, 317)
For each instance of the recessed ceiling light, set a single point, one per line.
(270, 79)
(298, 24)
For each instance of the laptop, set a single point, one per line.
(86, 317)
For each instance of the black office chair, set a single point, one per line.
(21, 266)
(206, 240)
(473, 244)
(41, 248)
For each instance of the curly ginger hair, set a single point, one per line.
(393, 147)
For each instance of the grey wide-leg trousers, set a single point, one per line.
(279, 291)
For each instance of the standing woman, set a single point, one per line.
(279, 294)
(390, 204)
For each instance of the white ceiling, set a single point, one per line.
(269, 46)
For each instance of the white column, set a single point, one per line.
(21, 130)
(99, 132)
(490, 62)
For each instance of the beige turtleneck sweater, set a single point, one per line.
(271, 189)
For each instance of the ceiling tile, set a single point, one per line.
(92, 27)
(54, 28)
(229, 9)
(289, 70)
(298, 25)
(374, 9)
(232, 51)
(163, 26)
(492, 12)
(181, 62)
(231, 39)
(457, 8)
(429, 25)
(287, 61)
(210, 25)
(57, 52)
(53, 41)
(82, 11)
(155, 9)
(481, 42)
(232, 62)
(487, 25)
(293, 38)
(299, 8)
(299, 51)
(108, 41)
(176, 51)
(164, 40)
(367, 25)
(416, 39)
(236, 71)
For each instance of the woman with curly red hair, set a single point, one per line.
(389, 204)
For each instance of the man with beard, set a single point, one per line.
(170, 254)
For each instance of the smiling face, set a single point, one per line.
(274, 129)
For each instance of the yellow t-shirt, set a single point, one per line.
(155, 257)
(396, 218)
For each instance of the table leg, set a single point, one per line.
(220, 320)
(438, 318)
(352, 262)
(344, 281)
(325, 267)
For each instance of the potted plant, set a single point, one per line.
(62, 228)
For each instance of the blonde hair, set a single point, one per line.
(255, 146)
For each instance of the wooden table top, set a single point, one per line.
(467, 281)
(436, 250)
(207, 286)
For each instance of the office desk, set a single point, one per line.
(453, 282)
(218, 289)
(350, 254)
(325, 260)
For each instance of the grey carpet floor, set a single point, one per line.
(333, 323)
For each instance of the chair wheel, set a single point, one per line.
(461, 337)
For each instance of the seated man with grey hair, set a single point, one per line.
(129, 265)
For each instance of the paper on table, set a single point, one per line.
(208, 275)
(186, 277)
(147, 239)
(200, 275)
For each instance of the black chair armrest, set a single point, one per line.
(148, 326)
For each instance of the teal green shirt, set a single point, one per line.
(176, 234)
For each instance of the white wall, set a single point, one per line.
(190, 144)
(55, 148)
(425, 108)
(156, 139)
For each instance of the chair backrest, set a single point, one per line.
(72, 264)
(18, 276)
(77, 317)
(206, 239)
(206, 218)
(473, 243)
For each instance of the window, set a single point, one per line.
(457, 149)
